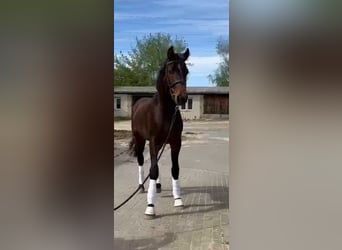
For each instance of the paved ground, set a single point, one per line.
(203, 222)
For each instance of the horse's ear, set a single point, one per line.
(170, 53)
(186, 54)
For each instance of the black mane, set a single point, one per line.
(162, 86)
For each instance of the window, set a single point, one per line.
(117, 103)
(189, 103)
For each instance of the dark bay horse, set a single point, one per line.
(151, 119)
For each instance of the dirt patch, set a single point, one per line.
(122, 134)
(190, 133)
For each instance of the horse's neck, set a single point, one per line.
(166, 104)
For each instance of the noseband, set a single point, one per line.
(172, 84)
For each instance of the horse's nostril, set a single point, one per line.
(180, 99)
(183, 99)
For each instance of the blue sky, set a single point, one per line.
(199, 22)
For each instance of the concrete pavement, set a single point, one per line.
(203, 222)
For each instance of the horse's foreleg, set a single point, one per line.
(152, 188)
(141, 172)
(158, 185)
(175, 149)
(139, 150)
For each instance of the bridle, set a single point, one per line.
(173, 84)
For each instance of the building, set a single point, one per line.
(203, 102)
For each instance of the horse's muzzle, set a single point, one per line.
(180, 100)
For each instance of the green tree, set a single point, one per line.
(142, 64)
(221, 75)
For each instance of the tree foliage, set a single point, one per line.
(142, 64)
(221, 75)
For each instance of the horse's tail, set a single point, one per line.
(131, 149)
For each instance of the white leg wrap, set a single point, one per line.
(141, 175)
(150, 211)
(158, 180)
(151, 193)
(175, 189)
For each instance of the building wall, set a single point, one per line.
(215, 116)
(201, 105)
(126, 105)
(195, 112)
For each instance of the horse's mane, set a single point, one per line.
(155, 98)
(161, 75)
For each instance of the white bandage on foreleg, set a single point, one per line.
(141, 175)
(175, 189)
(158, 180)
(151, 193)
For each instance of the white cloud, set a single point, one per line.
(203, 65)
(138, 15)
(190, 3)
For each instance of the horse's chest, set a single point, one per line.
(174, 132)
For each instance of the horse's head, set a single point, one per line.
(176, 74)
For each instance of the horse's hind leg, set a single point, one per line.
(175, 149)
(139, 150)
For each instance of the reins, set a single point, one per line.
(161, 152)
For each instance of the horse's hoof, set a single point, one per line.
(150, 211)
(178, 202)
(158, 187)
(142, 188)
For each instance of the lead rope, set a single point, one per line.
(161, 152)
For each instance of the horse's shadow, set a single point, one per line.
(219, 199)
(141, 244)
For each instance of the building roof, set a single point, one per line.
(152, 90)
